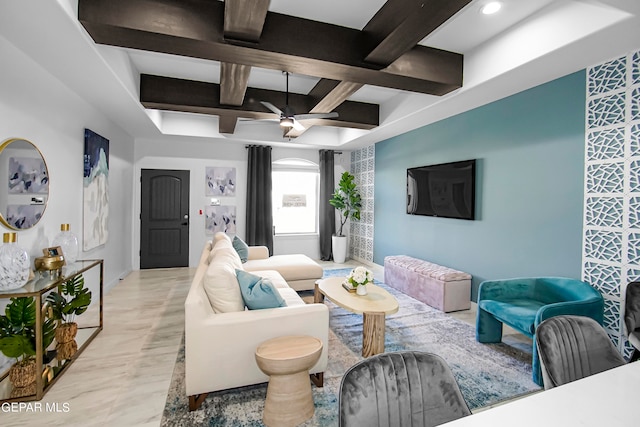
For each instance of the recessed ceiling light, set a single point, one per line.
(491, 7)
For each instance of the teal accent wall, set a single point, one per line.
(529, 187)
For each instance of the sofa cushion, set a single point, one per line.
(241, 248)
(223, 251)
(290, 296)
(520, 314)
(275, 278)
(220, 236)
(291, 267)
(222, 288)
(258, 292)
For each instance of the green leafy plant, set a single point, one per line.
(347, 200)
(72, 300)
(18, 329)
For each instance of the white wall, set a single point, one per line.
(194, 155)
(37, 107)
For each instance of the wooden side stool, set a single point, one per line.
(287, 361)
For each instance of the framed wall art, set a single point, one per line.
(220, 218)
(220, 181)
(96, 190)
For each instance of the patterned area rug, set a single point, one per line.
(486, 373)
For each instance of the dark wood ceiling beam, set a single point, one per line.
(227, 123)
(234, 80)
(395, 31)
(244, 19)
(167, 93)
(418, 19)
(195, 28)
(336, 96)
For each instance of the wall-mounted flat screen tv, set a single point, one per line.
(446, 190)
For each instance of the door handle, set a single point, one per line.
(186, 217)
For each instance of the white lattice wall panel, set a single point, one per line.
(605, 144)
(635, 104)
(634, 143)
(612, 316)
(602, 244)
(607, 77)
(611, 239)
(605, 178)
(361, 232)
(606, 111)
(604, 211)
(605, 278)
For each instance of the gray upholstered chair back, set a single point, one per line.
(574, 347)
(632, 318)
(400, 389)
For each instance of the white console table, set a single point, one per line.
(605, 399)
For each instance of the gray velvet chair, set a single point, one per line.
(574, 347)
(632, 318)
(400, 389)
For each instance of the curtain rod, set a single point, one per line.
(258, 145)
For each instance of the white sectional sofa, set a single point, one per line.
(300, 271)
(221, 336)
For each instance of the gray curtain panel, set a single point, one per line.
(327, 226)
(259, 222)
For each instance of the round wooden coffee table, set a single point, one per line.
(287, 361)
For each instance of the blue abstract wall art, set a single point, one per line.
(96, 190)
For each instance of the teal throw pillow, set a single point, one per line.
(241, 247)
(258, 292)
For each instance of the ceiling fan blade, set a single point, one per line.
(297, 125)
(309, 116)
(272, 107)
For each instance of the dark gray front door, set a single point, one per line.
(164, 218)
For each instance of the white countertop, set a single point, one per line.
(602, 400)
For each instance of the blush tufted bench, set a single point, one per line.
(440, 287)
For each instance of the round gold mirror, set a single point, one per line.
(24, 184)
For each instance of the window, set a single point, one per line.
(295, 196)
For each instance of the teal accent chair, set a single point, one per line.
(523, 303)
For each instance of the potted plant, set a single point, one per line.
(18, 341)
(72, 300)
(347, 200)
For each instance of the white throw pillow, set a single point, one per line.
(222, 288)
(221, 236)
(223, 250)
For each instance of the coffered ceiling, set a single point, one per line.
(200, 68)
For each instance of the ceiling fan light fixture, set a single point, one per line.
(286, 122)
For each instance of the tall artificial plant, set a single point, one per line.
(347, 200)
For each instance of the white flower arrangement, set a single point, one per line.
(360, 276)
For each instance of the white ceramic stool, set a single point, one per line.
(287, 361)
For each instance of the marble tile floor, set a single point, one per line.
(122, 377)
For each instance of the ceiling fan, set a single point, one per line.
(288, 117)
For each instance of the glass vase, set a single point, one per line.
(14, 263)
(68, 242)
